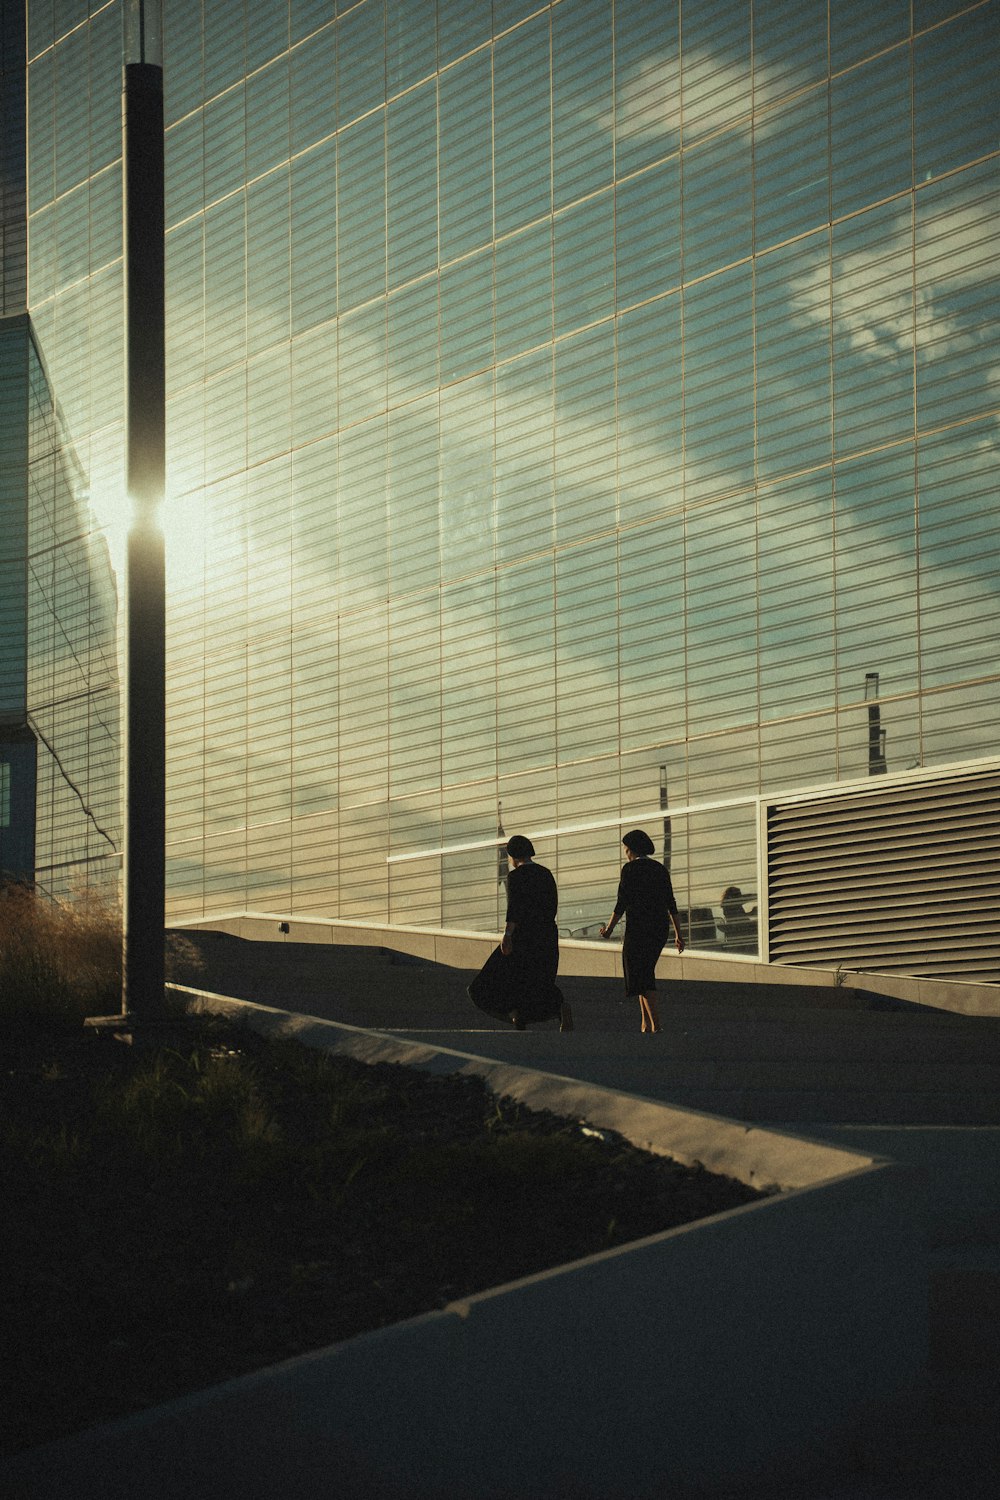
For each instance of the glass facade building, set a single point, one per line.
(60, 813)
(579, 414)
(60, 793)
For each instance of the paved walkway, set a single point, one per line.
(916, 1085)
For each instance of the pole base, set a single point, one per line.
(136, 1030)
(120, 1027)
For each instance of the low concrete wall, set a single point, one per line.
(737, 1350)
(762, 1157)
(469, 950)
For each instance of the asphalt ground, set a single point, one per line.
(770, 1053)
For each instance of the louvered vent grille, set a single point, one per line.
(901, 879)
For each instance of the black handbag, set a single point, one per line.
(486, 991)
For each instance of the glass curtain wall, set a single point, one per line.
(576, 411)
(72, 674)
(17, 743)
(59, 711)
(60, 822)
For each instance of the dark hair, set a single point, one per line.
(638, 842)
(519, 847)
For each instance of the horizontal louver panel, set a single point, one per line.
(892, 879)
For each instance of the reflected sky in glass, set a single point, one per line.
(554, 402)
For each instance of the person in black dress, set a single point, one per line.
(646, 897)
(518, 980)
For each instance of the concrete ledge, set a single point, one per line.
(469, 950)
(760, 1156)
(736, 1350)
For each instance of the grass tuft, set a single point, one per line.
(61, 962)
(57, 963)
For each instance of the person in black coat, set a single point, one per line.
(646, 898)
(518, 981)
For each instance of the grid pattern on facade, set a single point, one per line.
(13, 515)
(563, 400)
(72, 666)
(13, 160)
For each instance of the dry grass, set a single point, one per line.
(63, 962)
(57, 963)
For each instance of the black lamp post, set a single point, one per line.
(145, 771)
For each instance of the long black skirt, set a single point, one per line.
(522, 982)
(640, 952)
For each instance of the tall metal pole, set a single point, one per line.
(145, 769)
